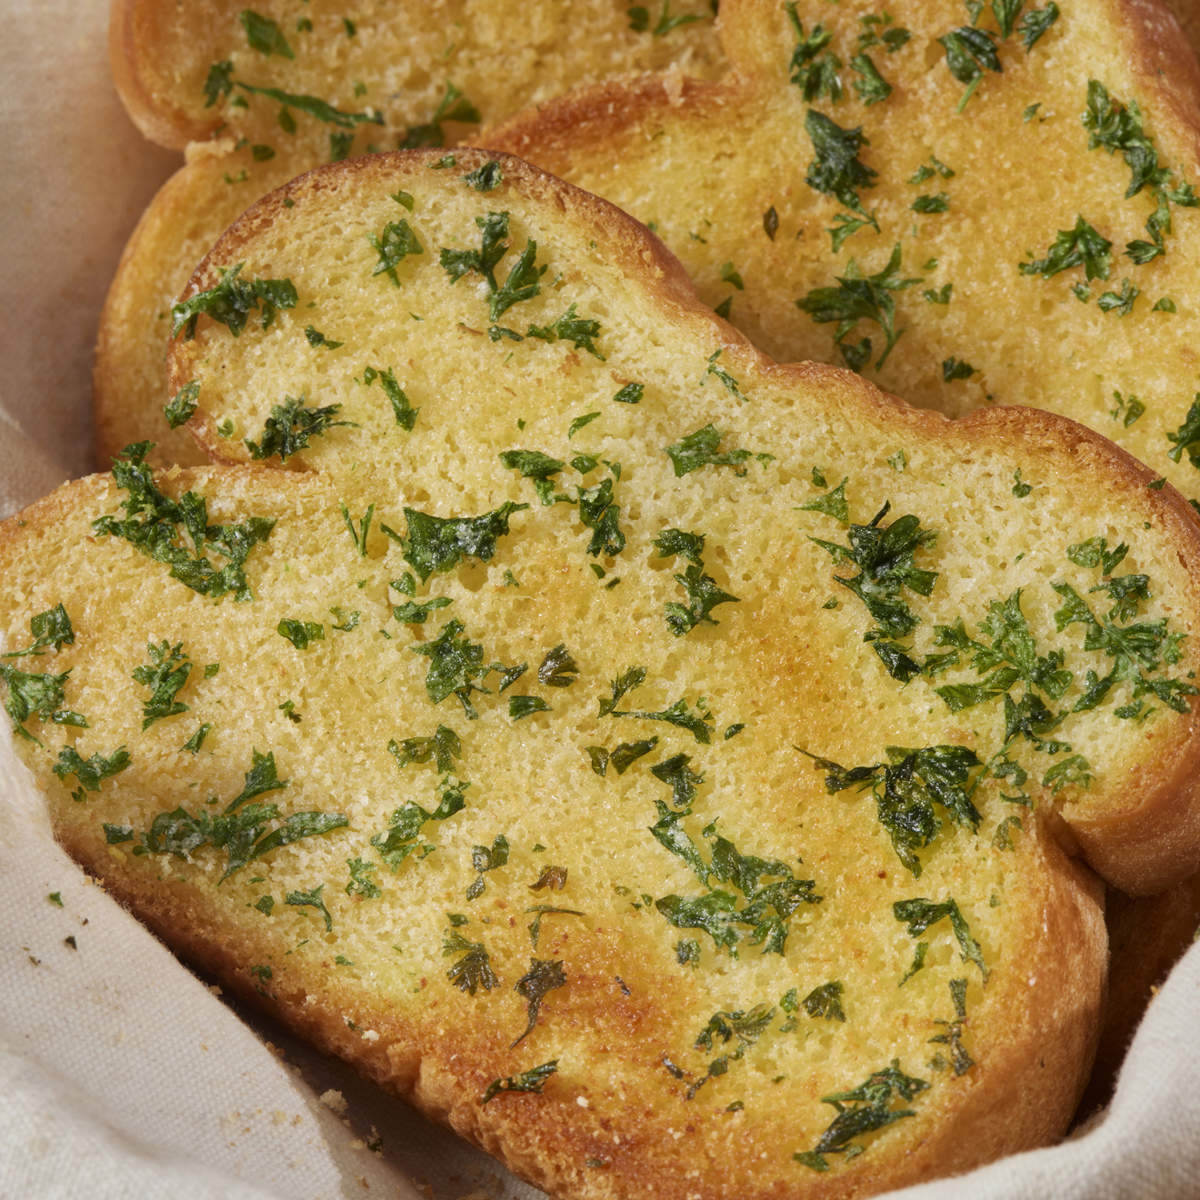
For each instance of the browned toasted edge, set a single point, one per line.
(641, 253)
(129, 52)
(1162, 56)
(110, 375)
(546, 1139)
(589, 115)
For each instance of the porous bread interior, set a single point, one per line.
(792, 670)
(500, 55)
(393, 60)
(704, 172)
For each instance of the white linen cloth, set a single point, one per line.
(121, 1074)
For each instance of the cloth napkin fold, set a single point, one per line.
(122, 1074)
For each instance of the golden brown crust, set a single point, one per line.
(499, 56)
(660, 154)
(129, 383)
(160, 54)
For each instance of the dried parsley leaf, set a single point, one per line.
(394, 243)
(438, 544)
(918, 914)
(906, 789)
(885, 556)
(543, 976)
(859, 297)
(836, 170)
(865, 1109)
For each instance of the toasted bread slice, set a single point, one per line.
(976, 189)
(426, 72)
(188, 71)
(573, 910)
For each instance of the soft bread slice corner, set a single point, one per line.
(663, 764)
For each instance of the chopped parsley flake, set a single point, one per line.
(836, 170)
(313, 106)
(156, 526)
(90, 772)
(453, 106)
(291, 426)
(885, 555)
(703, 594)
(825, 1002)
(485, 178)
(183, 404)
(814, 67)
(435, 545)
(639, 22)
(301, 633)
(970, 52)
(264, 35)
(543, 976)
(860, 297)
(402, 409)
(311, 899)
(522, 281)
(699, 449)
(919, 914)
(867, 1108)
(165, 675)
(231, 301)
(579, 331)
(1078, 246)
(402, 837)
(51, 628)
(533, 1080)
(394, 243)
(907, 787)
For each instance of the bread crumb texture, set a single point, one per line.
(656, 762)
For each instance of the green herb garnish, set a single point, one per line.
(165, 675)
(291, 426)
(865, 1109)
(231, 301)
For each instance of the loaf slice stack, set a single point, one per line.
(257, 96)
(657, 762)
